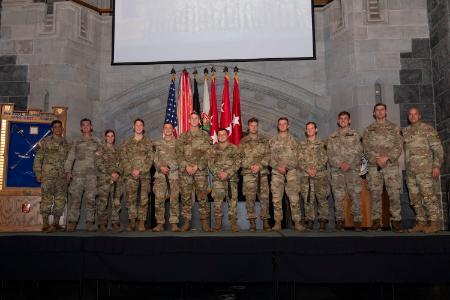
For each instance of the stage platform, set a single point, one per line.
(287, 256)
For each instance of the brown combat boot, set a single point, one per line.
(103, 225)
(357, 226)
(323, 225)
(233, 225)
(299, 227)
(376, 225)
(45, 224)
(174, 227)
(266, 225)
(205, 225)
(217, 224)
(131, 225)
(397, 226)
(419, 227)
(186, 225)
(55, 227)
(309, 225)
(141, 226)
(90, 227)
(71, 226)
(158, 228)
(339, 226)
(116, 227)
(252, 225)
(435, 226)
(277, 226)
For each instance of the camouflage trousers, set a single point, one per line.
(137, 204)
(341, 184)
(105, 188)
(187, 186)
(82, 186)
(423, 197)
(279, 184)
(312, 189)
(390, 176)
(223, 189)
(161, 191)
(251, 188)
(53, 197)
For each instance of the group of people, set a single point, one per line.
(303, 170)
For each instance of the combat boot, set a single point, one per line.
(158, 228)
(309, 225)
(266, 225)
(141, 226)
(45, 224)
(435, 226)
(419, 227)
(299, 227)
(205, 225)
(131, 225)
(116, 227)
(186, 225)
(357, 226)
(339, 226)
(397, 226)
(55, 226)
(277, 226)
(90, 226)
(252, 225)
(71, 226)
(323, 225)
(174, 227)
(233, 225)
(217, 224)
(376, 225)
(103, 225)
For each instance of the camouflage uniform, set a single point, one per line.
(423, 152)
(107, 163)
(284, 152)
(225, 160)
(345, 147)
(255, 151)
(312, 154)
(383, 139)
(49, 164)
(166, 184)
(191, 149)
(137, 155)
(81, 162)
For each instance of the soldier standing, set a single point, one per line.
(166, 180)
(109, 182)
(383, 144)
(424, 155)
(191, 149)
(82, 175)
(49, 170)
(283, 160)
(137, 159)
(255, 161)
(312, 159)
(344, 150)
(224, 161)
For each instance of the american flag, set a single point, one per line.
(171, 109)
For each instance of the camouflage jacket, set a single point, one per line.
(312, 154)
(283, 152)
(255, 151)
(191, 149)
(382, 139)
(224, 160)
(81, 157)
(108, 162)
(50, 158)
(165, 156)
(423, 148)
(137, 155)
(345, 147)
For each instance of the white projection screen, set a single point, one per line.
(176, 31)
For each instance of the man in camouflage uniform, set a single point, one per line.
(137, 158)
(344, 150)
(191, 149)
(166, 180)
(224, 161)
(82, 175)
(49, 170)
(383, 144)
(312, 160)
(283, 160)
(109, 182)
(424, 155)
(255, 161)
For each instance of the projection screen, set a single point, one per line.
(175, 31)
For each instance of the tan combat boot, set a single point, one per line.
(55, 226)
(266, 225)
(217, 224)
(233, 225)
(339, 225)
(252, 225)
(174, 227)
(186, 225)
(309, 225)
(397, 226)
(435, 226)
(71, 226)
(299, 227)
(45, 224)
(158, 228)
(376, 225)
(116, 227)
(323, 225)
(205, 225)
(141, 226)
(419, 227)
(103, 225)
(277, 226)
(131, 225)
(90, 226)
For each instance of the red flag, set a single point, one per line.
(225, 112)
(213, 112)
(184, 102)
(237, 121)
